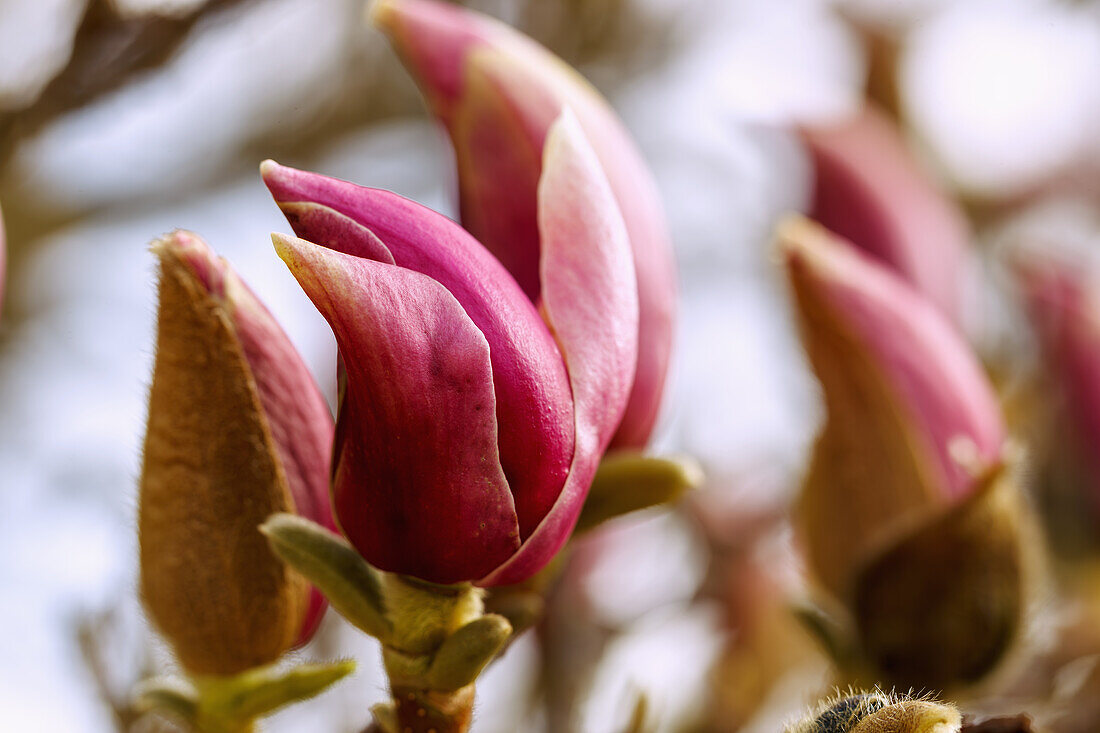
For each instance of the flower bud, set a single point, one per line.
(237, 431)
(471, 426)
(1065, 308)
(869, 189)
(906, 515)
(880, 712)
(498, 92)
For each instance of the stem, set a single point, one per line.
(428, 711)
(424, 615)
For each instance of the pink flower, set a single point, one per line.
(237, 430)
(469, 426)
(497, 92)
(870, 190)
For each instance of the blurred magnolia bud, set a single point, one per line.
(907, 515)
(871, 190)
(880, 712)
(1063, 299)
(237, 431)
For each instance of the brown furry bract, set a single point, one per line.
(210, 476)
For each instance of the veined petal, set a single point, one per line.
(590, 301)
(533, 399)
(912, 419)
(418, 486)
(869, 189)
(498, 92)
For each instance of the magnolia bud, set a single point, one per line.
(237, 431)
(907, 515)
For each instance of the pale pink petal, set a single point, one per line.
(590, 300)
(870, 190)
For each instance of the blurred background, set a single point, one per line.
(121, 120)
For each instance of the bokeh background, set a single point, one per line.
(123, 119)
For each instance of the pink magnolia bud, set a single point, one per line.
(1064, 303)
(237, 431)
(498, 92)
(912, 419)
(869, 189)
(470, 427)
(908, 516)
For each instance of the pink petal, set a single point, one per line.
(498, 93)
(297, 415)
(418, 485)
(938, 382)
(590, 300)
(534, 405)
(1065, 308)
(870, 190)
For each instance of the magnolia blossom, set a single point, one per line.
(869, 189)
(497, 92)
(237, 430)
(471, 422)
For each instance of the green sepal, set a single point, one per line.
(172, 697)
(263, 690)
(827, 630)
(466, 652)
(350, 584)
(385, 717)
(232, 704)
(628, 481)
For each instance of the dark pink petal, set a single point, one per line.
(297, 415)
(869, 189)
(498, 92)
(418, 487)
(590, 299)
(534, 405)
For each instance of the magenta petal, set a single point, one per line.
(418, 487)
(590, 299)
(498, 92)
(871, 190)
(534, 404)
(329, 228)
